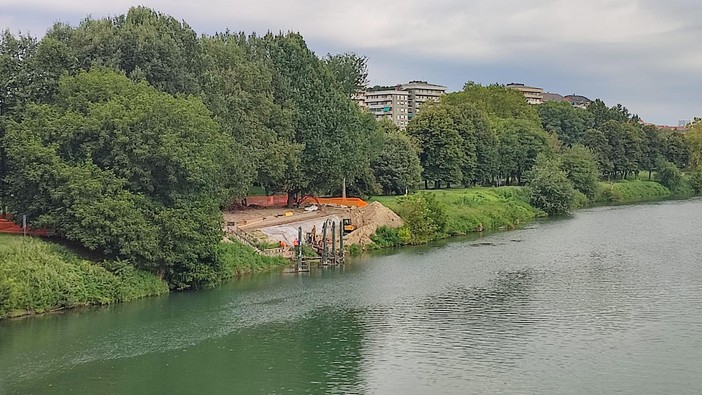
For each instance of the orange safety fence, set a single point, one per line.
(9, 227)
(350, 202)
(267, 201)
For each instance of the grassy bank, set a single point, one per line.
(37, 276)
(464, 211)
(631, 191)
(470, 210)
(238, 259)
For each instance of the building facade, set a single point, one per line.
(532, 94)
(389, 104)
(400, 103)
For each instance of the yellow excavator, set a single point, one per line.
(348, 225)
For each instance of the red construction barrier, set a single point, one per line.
(267, 201)
(9, 227)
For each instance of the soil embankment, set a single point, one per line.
(282, 224)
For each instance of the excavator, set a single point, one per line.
(348, 225)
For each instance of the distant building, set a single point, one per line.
(392, 104)
(548, 96)
(578, 101)
(419, 93)
(399, 103)
(532, 94)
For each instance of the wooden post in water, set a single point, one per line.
(341, 240)
(324, 244)
(333, 251)
(298, 249)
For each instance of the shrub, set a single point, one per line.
(386, 236)
(424, 215)
(695, 180)
(549, 187)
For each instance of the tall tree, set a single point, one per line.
(441, 147)
(125, 170)
(521, 141)
(350, 70)
(565, 121)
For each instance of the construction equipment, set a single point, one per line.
(348, 225)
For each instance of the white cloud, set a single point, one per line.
(604, 43)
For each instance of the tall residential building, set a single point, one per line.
(389, 103)
(420, 92)
(401, 102)
(532, 94)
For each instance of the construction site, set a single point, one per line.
(323, 225)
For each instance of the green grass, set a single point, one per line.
(631, 191)
(238, 259)
(37, 276)
(468, 209)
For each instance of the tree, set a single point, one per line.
(565, 121)
(596, 141)
(350, 71)
(521, 142)
(676, 149)
(397, 168)
(580, 166)
(335, 135)
(124, 170)
(670, 177)
(693, 137)
(549, 187)
(440, 145)
(652, 148)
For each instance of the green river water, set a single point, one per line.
(606, 301)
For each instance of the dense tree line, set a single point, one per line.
(129, 134)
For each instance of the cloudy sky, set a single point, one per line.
(645, 54)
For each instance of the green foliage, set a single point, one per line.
(441, 151)
(630, 191)
(565, 121)
(397, 168)
(580, 166)
(695, 180)
(676, 150)
(38, 276)
(497, 101)
(549, 187)
(386, 236)
(350, 70)
(424, 215)
(125, 170)
(520, 142)
(237, 259)
(670, 177)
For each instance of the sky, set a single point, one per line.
(644, 54)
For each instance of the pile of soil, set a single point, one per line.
(368, 219)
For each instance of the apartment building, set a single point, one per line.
(532, 94)
(392, 104)
(419, 93)
(401, 102)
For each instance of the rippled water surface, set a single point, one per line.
(608, 301)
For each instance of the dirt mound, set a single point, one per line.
(368, 219)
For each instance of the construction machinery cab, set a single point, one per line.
(348, 225)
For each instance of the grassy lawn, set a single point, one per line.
(469, 208)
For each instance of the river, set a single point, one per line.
(606, 301)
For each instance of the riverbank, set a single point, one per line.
(486, 209)
(39, 276)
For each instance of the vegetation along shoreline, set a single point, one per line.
(129, 136)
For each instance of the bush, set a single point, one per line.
(386, 236)
(670, 177)
(695, 180)
(424, 215)
(549, 188)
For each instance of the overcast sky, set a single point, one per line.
(645, 54)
